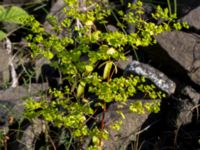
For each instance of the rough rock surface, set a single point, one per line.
(130, 128)
(4, 65)
(180, 46)
(11, 108)
(177, 55)
(55, 10)
(157, 77)
(21, 92)
(12, 99)
(193, 18)
(183, 47)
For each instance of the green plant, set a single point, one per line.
(13, 15)
(170, 6)
(168, 3)
(86, 48)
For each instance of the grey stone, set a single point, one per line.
(31, 133)
(21, 92)
(122, 64)
(56, 11)
(4, 65)
(156, 76)
(12, 100)
(192, 94)
(111, 28)
(179, 45)
(184, 48)
(184, 113)
(195, 76)
(130, 128)
(193, 18)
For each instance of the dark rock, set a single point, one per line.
(195, 76)
(21, 92)
(51, 75)
(130, 128)
(184, 49)
(176, 114)
(12, 102)
(31, 134)
(184, 114)
(193, 18)
(184, 7)
(56, 11)
(188, 106)
(122, 64)
(39, 63)
(12, 99)
(179, 45)
(192, 94)
(57, 7)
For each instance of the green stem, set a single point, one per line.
(118, 21)
(169, 6)
(175, 6)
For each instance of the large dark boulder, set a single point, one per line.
(130, 128)
(193, 18)
(184, 48)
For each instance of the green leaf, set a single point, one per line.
(13, 14)
(2, 35)
(2, 9)
(81, 89)
(107, 69)
(48, 54)
(89, 68)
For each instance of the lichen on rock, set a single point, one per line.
(156, 76)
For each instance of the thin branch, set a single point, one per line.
(11, 63)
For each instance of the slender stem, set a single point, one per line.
(11, 63)
(169, 6)
(102, 124)
(53, 144)
(175, 6)
(135, 53)
(118, 21)
(103, 116)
